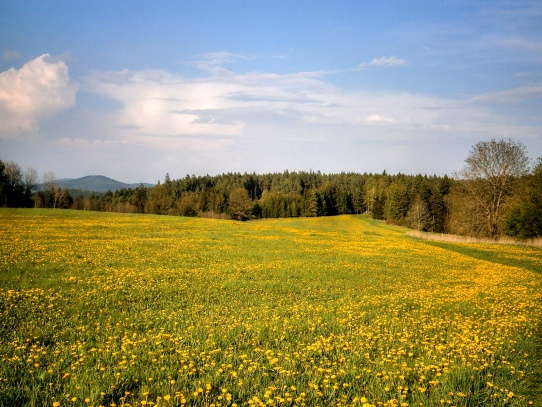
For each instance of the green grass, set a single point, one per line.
(113, 309)
(525, 258)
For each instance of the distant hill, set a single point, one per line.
(96, 183)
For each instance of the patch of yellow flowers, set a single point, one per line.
(123, 310)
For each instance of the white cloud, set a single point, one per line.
(213, 61)
(514, 95)
(388, 61)
(156, 103)
(221, 113)
(85, 142)
(376, 118)
(385, 62)
(39, 89)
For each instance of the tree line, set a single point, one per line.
(497, 193)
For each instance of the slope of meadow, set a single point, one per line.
(132, 310)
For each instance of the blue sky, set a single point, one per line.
(134, 90)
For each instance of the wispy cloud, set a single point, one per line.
(161, 107)
(376, 118)
(39, 89)
(213, 61)
(383, 62)
(85, 142)
(514, 95)
(513, 42)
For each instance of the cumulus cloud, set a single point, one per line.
(39, 89)
(160, 104)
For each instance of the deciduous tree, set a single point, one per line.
(240, 204)
(159, 201)
(418, 216)
(490, 176)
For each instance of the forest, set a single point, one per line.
(497, 193)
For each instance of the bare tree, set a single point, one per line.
(13, 174)
(31, 181)
(418, 216)
(489, 177)
(49, 179)
(60, 197)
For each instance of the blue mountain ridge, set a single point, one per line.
(96, 183)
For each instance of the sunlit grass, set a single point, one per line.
(132, 310)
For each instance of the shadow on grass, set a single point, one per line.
(118, 394)
(496, 256)
(13, 396)
(533, 378)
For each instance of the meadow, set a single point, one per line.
(101, 309)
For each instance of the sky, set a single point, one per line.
(136, 89)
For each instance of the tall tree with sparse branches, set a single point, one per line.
(490, 176)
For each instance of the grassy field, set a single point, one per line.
(136, 310)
